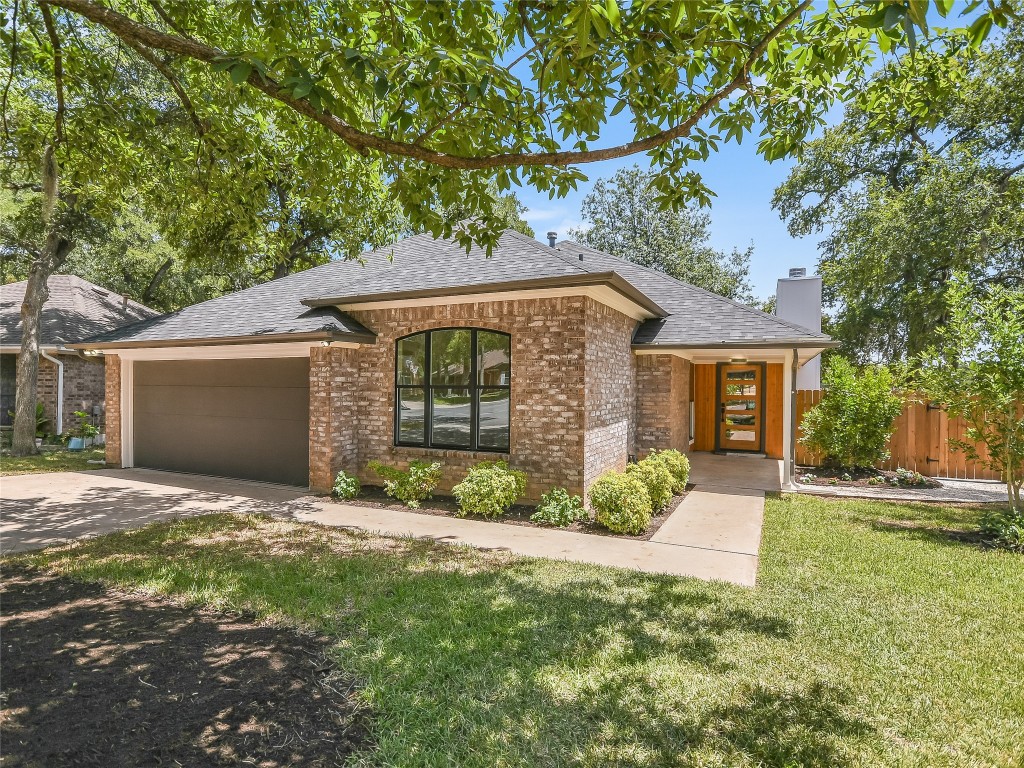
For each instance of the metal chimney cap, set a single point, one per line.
(552, 238)
(798, 272)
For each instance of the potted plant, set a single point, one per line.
(83, 434)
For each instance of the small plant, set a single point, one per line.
(86, 428)
(876, 480)
(909, 477)
(808, 478)
(489, 489)
(558, 508)
(847, 477)
(41, 419)
(409, 486)
(656, 478)
(1004, 528)
(346, 486)
(677, 465)
(851, 425)
(621, 503)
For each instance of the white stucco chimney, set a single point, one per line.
(798, 300)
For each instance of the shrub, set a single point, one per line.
(656, 478)
(346, 486)
(558, 508)
(621, 503)
(853, 421)
(1005, 528)
(909, 477)
(489, 489)
(412, 486)
(677, 465)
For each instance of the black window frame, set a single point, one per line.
(474, 386)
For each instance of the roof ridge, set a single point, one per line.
(705, 291)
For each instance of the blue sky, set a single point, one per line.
(741, 213)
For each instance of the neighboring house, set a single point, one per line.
(564, 360)
(75, 310)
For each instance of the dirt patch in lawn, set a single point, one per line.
(94, 677)
(519, 514)
(860, 478)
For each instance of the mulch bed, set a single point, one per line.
(859, 478)
(519, 514)
(94, 677)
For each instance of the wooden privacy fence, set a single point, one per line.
(920, 441)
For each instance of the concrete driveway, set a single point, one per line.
(712, 536)
(44, 509)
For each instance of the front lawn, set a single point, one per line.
(875, 637)
(59, 460)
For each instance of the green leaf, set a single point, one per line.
(979, 30)
(614, 17)
(240, 72)
(381, 86)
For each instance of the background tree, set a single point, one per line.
(625, 218)
(922, 178)
(976, 369)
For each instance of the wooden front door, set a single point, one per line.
(740, 407)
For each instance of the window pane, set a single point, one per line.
(492, 424)
(747, 375)
(741, 435)
(410, 416)
(449, 357)
(493, 358)
(449, 421)
(412, 359)
(741, 389)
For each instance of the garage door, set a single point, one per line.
(233, 418)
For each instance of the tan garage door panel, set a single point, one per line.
(234, 418)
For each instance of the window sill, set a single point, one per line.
(452, 452)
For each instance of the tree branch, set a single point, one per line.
(58, 73)
(127, 28)
(10, 73)
(172, 79)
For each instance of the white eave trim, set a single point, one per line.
(602, 294)
(725, 354)
(225, 351)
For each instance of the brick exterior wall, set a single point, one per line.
(112, 369)
(83, 389)
(610, 391)
(662, 403)
(548, 418)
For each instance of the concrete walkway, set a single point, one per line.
(714, 534)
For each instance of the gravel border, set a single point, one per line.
(952, 490)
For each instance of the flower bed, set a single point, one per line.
(861, 478)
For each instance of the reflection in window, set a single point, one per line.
(453, 389)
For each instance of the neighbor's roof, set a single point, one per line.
(75, 309)
(303, 305)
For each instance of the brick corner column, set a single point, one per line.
(112, 396)
(321, 478)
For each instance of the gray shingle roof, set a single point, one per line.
(424, 264)
(75, 309)
(696, 317)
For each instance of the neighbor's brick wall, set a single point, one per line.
(112, 369)
(662, 403)
(84, 387)
(610, 390)
(547, 393)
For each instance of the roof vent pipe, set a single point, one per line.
(552, 237)
(797, 272)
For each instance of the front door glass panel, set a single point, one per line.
(740, 418)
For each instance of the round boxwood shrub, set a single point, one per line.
(656, 478)
(677, 465)
(412, 486)
(621, 503)
(489, 489)
(557, 507)
(346, 486)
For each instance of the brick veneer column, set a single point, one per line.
(112, 377)
(333, 420)
(662, 403)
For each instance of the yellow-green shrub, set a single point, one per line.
(656, 479)
(621, 503)
(677, 465)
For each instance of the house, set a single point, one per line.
(561, 359)
(67, 380)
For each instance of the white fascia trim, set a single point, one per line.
(599, 293)
(724, 355)
(127, 413)
(225, 351)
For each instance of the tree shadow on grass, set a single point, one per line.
(477, 658)
(94, 678)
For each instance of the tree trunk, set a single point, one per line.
(158, 278)
(52, 256)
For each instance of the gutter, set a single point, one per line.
(60, 389)
(792, 418)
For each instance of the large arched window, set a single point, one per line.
(452, 389)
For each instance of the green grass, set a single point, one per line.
(50, 461)
(874, 638)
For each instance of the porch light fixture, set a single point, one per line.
(738, 360)
(92, 352)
